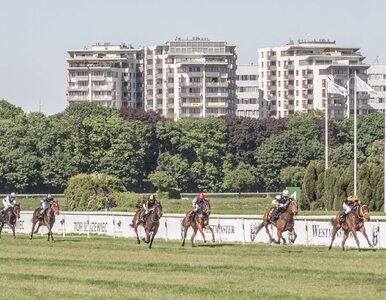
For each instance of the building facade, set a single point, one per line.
(377, 80)
(190, 78)
(250, 102)
(110, 75)
(293, 78)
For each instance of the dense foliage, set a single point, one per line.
(146, 152)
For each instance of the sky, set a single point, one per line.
(34, 35)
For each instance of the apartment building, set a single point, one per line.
(110, 75)
(293, 77)
(377, 80)
(190, 78)
(250, 101)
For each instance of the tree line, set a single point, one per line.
(41, 153)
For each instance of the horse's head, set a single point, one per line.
(16, 210)
(363, 212)
(54, 206)
(158, 210)
(206, 207)
(293, 206)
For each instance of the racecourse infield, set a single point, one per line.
(99, 267)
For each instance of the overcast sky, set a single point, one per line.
(35, 35)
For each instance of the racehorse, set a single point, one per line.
(284, 223)
(200, 222)
(10, 215)
(150, 224)
(48, 219)
(355, 221)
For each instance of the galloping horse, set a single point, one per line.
(150, 224)
(48, 219)
(200, 222)
(284, 223)
(11, 214)
(355, 221)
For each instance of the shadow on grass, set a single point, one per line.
(216, 245)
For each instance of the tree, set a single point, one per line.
(240, 179)
(292, 176)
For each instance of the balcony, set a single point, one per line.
(170, 105)
(108, 87)
(159, 106)
(77, 98)
(98, 78)
(79, 78)
(272, 87)
(272, 97)
(159, 86)
(290, 66)
(272, 67)
(217, 104)
(191, 84)
(159, 96)
(291, 77)
(290, 86)
(170, 96)
(170, 85)
(149, 76)
(102, 98)
(212, 74)
(187, 95)
(310, 96)
(291, 97)
(158, 75)
(195, 74)
(77, 88)
(217, 84)
(190, 105)
(308, 76)
(149, 97)
(217, 95)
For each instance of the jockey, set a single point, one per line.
(148, 206)
(282, 204)
(8, 201)
(197, 203)
(45, 204)
(348, 205)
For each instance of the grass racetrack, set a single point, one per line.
(100, 267)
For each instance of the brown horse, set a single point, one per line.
(284, 223)
(355, 221)
(200, 222)
(48, 219)
(150, 224)
(10, 215)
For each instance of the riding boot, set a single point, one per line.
(342, 219)
(191, 217)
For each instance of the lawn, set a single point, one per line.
(246, 205)
(105, 268)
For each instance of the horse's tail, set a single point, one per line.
(261, 225)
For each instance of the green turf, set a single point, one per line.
(246, 205)
(105, 268)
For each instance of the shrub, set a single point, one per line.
(127, 201)
(88, 191)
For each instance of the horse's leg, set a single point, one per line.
(294, 236)
(271, 239)
(193, 235)
(13, 231)
(334, 231)
(37, 229)
(33, 227)
(152, 236)
(345, 237)
(279, 236)
(355, 237)
(363, 230)
(202, 232)
(147, 232)
(186, 227)
(1, 228)
(136, 233)
(211, 230)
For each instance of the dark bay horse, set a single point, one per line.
(48, 219)
(284, 223)
(11, 214)
(355, 221)
(150, 224)
(200, 222)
